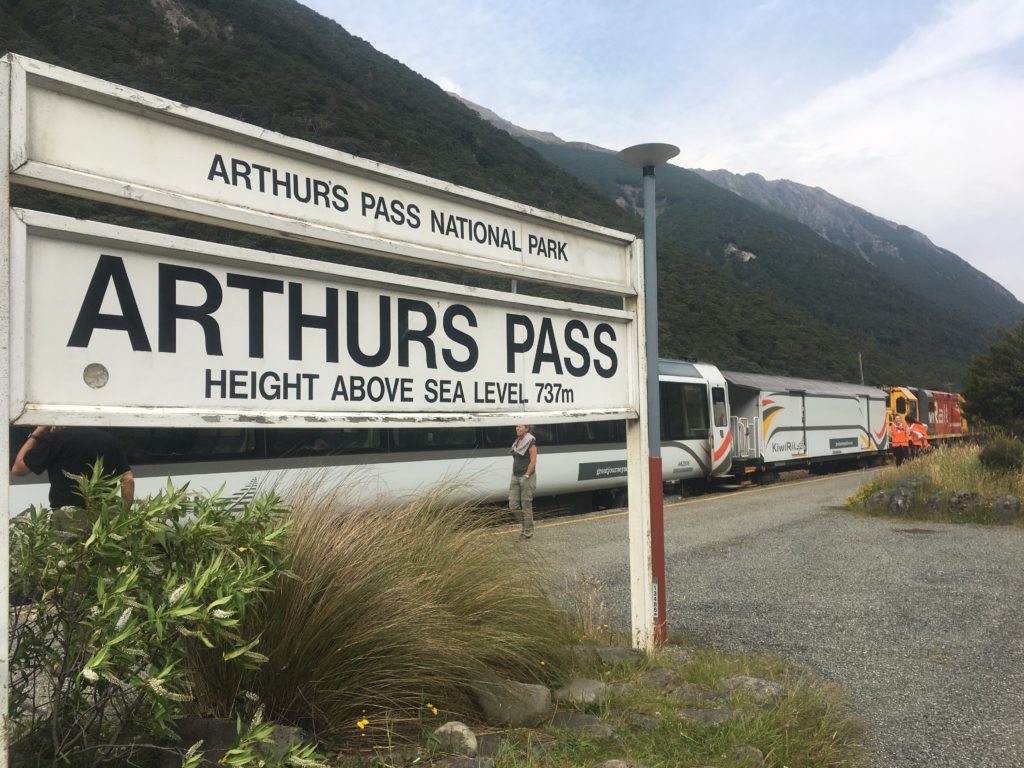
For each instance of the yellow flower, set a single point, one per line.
(432, 708)
(361, 724)
(243, 549)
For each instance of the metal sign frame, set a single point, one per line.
(20, 77)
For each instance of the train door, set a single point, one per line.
(801, 397)
(719, 433)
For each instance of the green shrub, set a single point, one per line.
(113, 598)
(392, 610)
(1002, 454)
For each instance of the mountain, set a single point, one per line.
(738, 285)
(899, 252)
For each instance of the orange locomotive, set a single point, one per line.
(937, 412)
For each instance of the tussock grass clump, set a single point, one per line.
(395, 607)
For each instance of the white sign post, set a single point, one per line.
(149, 329)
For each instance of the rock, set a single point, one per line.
(516, 704)
(878, 500)
(456, 738)
(615, 655)
(617, 764)
(581, 692)
(964, 504)
(621, 689)
(934, 505)
(901, 503)
(642, 721)
(746, 756)
(754, 687)
(1005, 509)
(660, 677)
(590, 725)
(697, 692)
(708, 717)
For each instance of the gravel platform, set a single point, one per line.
(922, 623)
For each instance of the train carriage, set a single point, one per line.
(782, 422)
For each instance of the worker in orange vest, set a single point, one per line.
(918, 434)
(899, 437)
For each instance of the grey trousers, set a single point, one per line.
(520, 500)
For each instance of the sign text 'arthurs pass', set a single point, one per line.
(219, 329)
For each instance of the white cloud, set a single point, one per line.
(929, 138)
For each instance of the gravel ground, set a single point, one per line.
(922, 623)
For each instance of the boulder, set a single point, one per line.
(1005, 509)
(964, 504)
(745, 756)
(581, 692)
(520, 705)
(901, 503)
(456, 738)
(660, 677)
(878, 500)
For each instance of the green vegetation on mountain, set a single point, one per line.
(801, 307)
(901, 254)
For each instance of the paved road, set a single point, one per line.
(923, 624)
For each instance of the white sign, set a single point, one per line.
(81, 135)
(139, 322)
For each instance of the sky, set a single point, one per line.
(912, 110)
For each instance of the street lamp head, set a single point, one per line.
(648, 155)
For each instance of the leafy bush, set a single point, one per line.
(1002, 454)
(394, 608)
(113, 598)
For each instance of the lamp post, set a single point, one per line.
(647, 156)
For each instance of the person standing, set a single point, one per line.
(900, 439)
(524, 478)
(64, 451)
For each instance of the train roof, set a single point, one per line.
(764, 382)
(669, 367)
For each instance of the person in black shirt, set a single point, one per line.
(72, 450)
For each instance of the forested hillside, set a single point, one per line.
(279, 65)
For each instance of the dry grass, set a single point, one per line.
(956, 468)
(394, 606)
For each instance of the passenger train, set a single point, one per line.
(716, 426)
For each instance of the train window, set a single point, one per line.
(502, 437)
(434, 438)
(150, 446)
(582, 432)
(718, 406)
(684, 411)
(901, 405)
(283, 443)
